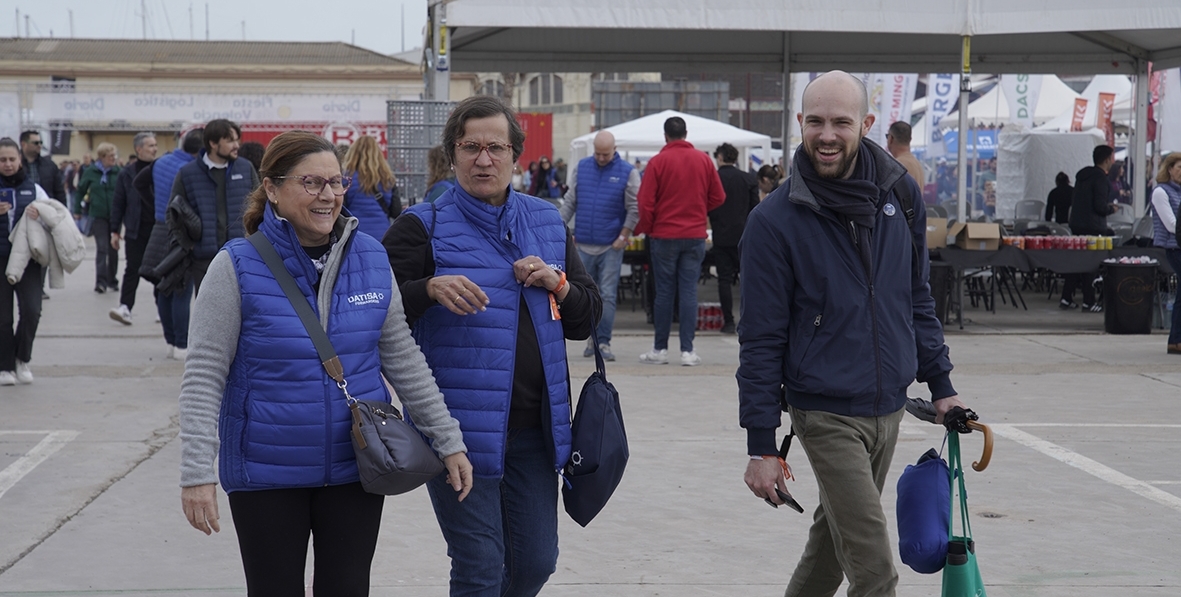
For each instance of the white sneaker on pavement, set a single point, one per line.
(7, 378)
(179, 354)
(23, 375)
(690, 359)
(121, 314)
(655, 357)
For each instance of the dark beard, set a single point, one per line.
(842, 167)
(224, 157)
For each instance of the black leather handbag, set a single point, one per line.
(392, 457)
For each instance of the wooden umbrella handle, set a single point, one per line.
(987, 456)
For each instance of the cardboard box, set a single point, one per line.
(976, 236)
(936, 233)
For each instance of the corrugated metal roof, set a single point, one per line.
(270, 53)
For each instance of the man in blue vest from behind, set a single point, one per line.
(216, 185)
(602, 195)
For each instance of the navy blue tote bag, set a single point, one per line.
(599, 447)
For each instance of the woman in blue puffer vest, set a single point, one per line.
(372, 197)
(256, 398)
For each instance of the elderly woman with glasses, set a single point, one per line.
(255, 396)
(493, 287)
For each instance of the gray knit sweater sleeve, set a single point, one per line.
(404, 365)
(213, 341)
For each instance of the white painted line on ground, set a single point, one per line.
(1145, 425)
(50, 444)
(1163, 482)
(1088, 466)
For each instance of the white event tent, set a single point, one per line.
(643, 137)
(786, 36)
(1120, 85)
(1055, 99)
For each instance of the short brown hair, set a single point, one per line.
(281, 157)
(481, 106)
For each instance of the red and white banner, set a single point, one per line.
(1080, 111)
(1103, 116)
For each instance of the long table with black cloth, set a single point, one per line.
(1058, 261)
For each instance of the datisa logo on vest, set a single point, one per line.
(366, 298)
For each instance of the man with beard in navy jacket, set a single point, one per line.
(837, 322)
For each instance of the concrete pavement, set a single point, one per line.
(1080, 498)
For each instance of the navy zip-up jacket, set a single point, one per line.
(820, 331)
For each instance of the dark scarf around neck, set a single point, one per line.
(15, 180)
(854, 198)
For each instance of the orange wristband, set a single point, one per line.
(561, 283)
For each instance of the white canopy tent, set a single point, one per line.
(993, 108)
(1120, 85)
(785, 36)
(643, 137)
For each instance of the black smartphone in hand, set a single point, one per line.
(787, 500)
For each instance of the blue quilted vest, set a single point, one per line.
(600, 191)
(23, 194)
(473, 356)
(363, 206)
(284, 422)
(1161, 237)
(164, 172)
(202, 194)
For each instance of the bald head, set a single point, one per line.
(604, 148)
(834, 118)
(841, 83)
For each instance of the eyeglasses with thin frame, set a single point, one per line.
(33, 142)
(314, 185)
(471, 150)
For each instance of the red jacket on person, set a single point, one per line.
(680, 186)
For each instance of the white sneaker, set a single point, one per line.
(171, 350)
(655, 357)
(179, 354)
(121, 314)
(7, 378)
(23, 374)
(690, 359)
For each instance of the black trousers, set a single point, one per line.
(18, 345)
(1071, 282)
(106, 257)
(273, 528)
(135, 248)
(726, 261)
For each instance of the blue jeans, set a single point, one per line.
(604, 269)
(503, 537)
(1174, 258)
(676, 266)
(174, 315)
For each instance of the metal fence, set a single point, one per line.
(414, 128)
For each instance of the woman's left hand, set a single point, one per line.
(459, 473)
(532, 271)
(32, 212)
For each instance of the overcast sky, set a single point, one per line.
(375, 23)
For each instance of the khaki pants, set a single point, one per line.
(850, 457)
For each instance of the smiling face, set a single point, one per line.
(482, 176)
(312, 216)
(833, 122)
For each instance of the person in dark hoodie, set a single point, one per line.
(837, 321)
(727, 222)
(1059, 200)
(1090, 206)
